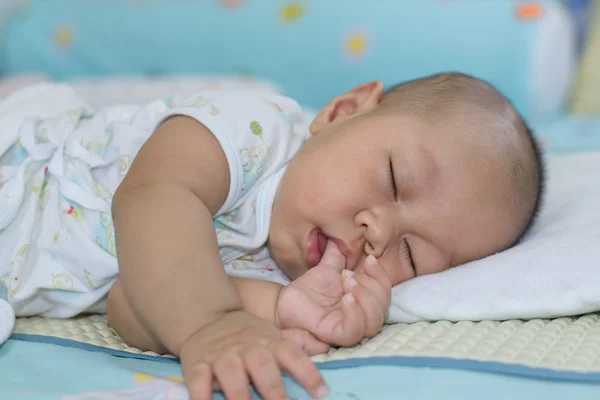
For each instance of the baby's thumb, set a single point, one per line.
(333, 256)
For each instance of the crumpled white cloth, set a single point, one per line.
(44, 100)
(7, 320)
(554, 272)
(53, 152)
(16, 112)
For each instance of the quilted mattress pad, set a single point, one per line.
(566, 344)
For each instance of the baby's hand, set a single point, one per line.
(372, 289)
(338, 306)
(239, 349)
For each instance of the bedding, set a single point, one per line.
(100, 92)
(139, 90)
(527, 49)
(11, 85)
(565, 344)
(550, 359)
(7, 318)
(584, 97)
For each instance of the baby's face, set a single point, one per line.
(419, 200)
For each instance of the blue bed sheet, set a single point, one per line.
(37, 368)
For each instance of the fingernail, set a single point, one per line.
(350, 298)
(371, 259)
(352, 282)
(322, 391)
(347, 273)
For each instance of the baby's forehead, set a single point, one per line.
(475, 133)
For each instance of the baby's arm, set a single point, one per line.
(173, 294)
(258, 298)
(166, 244)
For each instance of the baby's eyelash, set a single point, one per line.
(392, 179)
(409, 256)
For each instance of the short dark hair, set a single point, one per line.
(441, 94)
(540, 181)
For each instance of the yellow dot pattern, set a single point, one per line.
(357, 44)
(141, 377)
(292, 12)
(354, 45)
(64, 36)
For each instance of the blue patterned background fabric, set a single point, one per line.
(313, 49)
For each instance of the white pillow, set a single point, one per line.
(554, 272)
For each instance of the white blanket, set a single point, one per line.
(554, 272)
(42, 100)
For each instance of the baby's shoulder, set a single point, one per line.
(259, 133)
(240, 106)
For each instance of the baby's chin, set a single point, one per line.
(291, 269)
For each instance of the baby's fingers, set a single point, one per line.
(375, 279)
(292, 359)
(199, 382)
(377, 272)
(306, 340)
(230, 372)
(265, 374)
(368, 294)
(352, 326)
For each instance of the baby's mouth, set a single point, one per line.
(315, 247)
(322, 243)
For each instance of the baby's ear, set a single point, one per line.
(360, 100)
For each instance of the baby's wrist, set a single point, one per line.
(277, 318)
(259, 298)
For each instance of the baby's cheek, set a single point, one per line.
(396, 274)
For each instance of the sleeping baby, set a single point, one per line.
(248, 238)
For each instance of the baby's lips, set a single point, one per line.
(323, 240)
